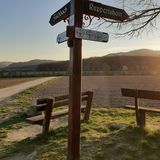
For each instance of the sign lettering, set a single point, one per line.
(100, 10)
(61, 14)
(87, 34)
(91, 35)
(90, 8)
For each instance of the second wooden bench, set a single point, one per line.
(47, 107)
(141, 111)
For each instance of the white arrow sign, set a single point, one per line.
(84, 34)
(91, 35)
(62, 37)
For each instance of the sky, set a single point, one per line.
(25, 33)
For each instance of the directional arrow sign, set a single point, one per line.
(91, 35)
(60, 15)
(90, 8)
(87, 34)
(62, 37)
(101, 10)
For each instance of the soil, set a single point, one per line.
(107, 89)
(21, 156)
(7, 82)
(32, 131)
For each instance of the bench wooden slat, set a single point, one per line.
(129, 92)
(63, 97)
(154, 110)
(66, 102)
(40, 107)
(39, 118)
(145, 94)
(154, 95)
(35, 119)
(61, 103)
(147, 109)
(129, 107)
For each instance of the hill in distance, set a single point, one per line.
(139, 52)
(5, 64)
(145, 60)
(29, 65)
(141, 61)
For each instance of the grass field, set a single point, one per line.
(111, 133)
(100, 139)
(7, 82)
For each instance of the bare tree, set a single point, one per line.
(143, 16)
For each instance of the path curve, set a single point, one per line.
(10, 91)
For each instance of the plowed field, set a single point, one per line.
(7, 82)
(106, 89)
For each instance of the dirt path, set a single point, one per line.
(32, 131)
(10, 91)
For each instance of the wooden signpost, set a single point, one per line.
(76, 16)
(74, 34)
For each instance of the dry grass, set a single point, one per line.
(7, 82)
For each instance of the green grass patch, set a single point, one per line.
(110, 134)
(12, 112)
(98, 140)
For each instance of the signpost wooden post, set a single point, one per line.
(74, 34)
(76, 15)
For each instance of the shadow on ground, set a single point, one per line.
(98, 141)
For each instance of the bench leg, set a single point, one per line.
(47, 116)
(46, 124)
(88, 106)
(137, 111)
(142, 118)
(137, 117)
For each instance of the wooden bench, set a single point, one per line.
(47, 106)
(141, 111)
